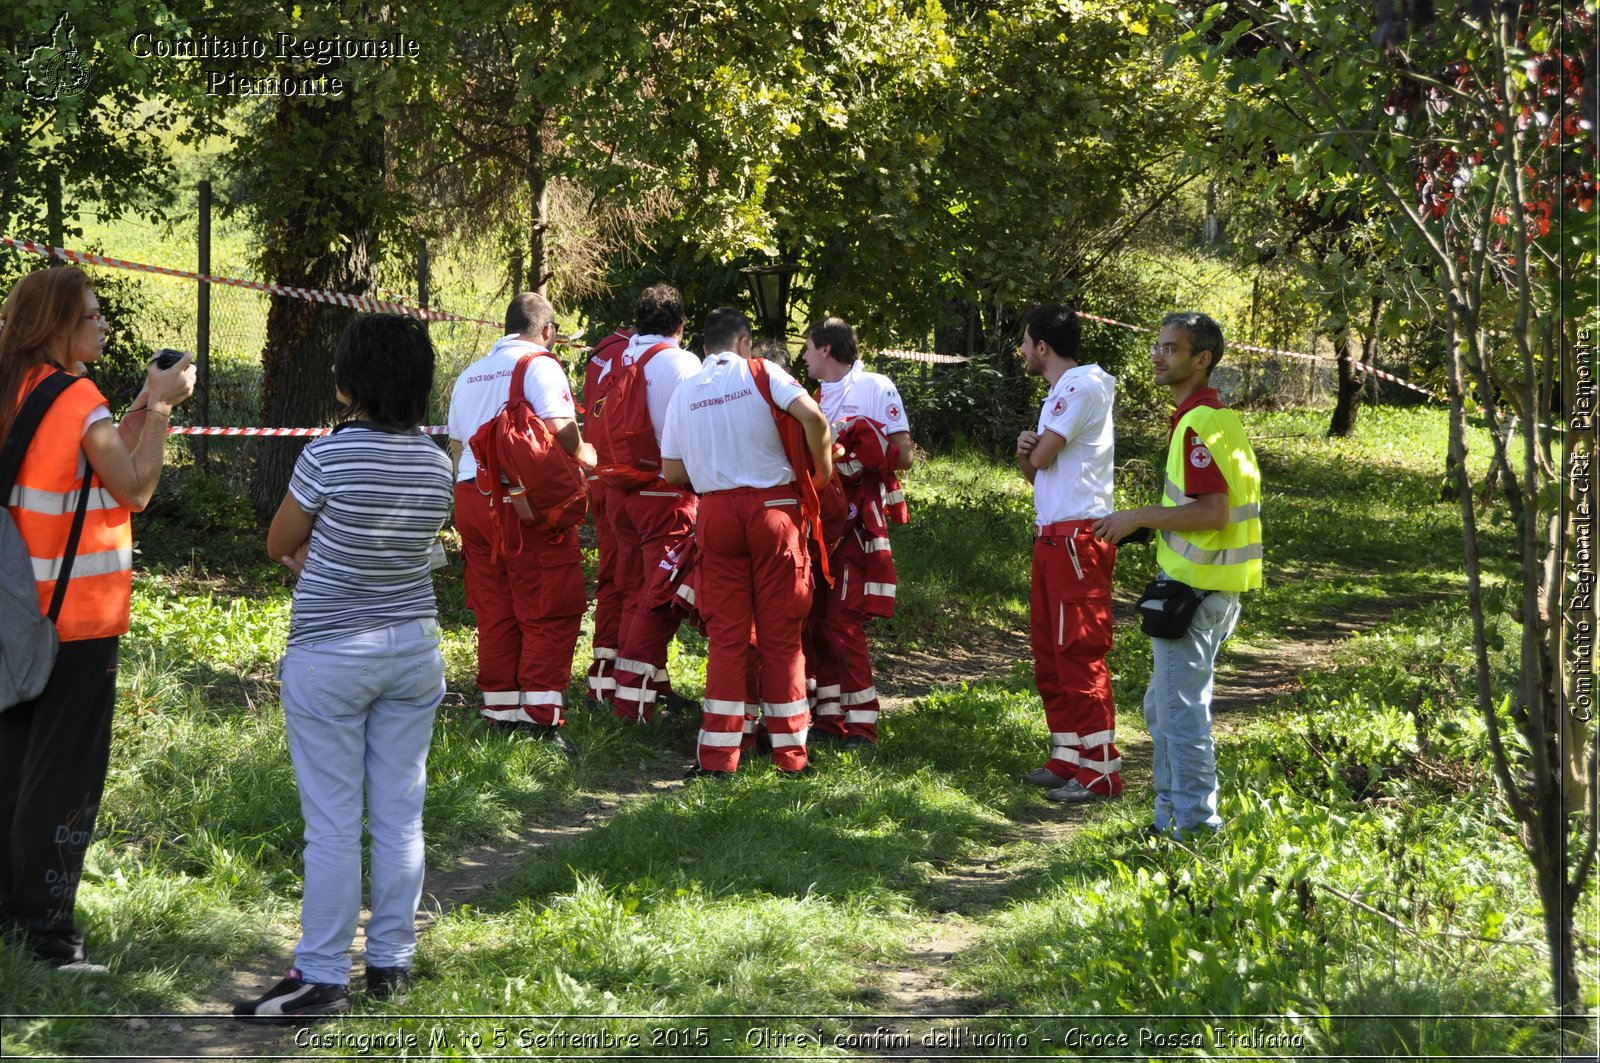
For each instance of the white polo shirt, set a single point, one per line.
(862, 394)
(721, 427)
(1077, 485)
(662, 375)
(485, 386)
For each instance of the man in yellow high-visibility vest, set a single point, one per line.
(1208, 527)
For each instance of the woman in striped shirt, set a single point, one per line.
(362, 675)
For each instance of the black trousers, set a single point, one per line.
(54, 752)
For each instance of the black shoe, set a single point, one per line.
(823, 738)
(697, 772)
(293, 1000)
(799, 773)
(385, 983)
(53, 944)
(552, 734)
(858, 742)
(671, 704)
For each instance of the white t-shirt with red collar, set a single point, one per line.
(721, 427)
(485, 386)
(1077, 485)
(862, 394)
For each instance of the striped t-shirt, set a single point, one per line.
(379, 498)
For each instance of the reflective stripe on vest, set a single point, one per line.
(104, 563)
(42, 503)
(1228, 558)
(57, 503)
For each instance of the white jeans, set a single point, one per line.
(359, 712)
(1177, 711)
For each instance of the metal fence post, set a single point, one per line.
(202, 325)
(52, 211)
(422, 276)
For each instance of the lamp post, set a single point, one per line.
(769, 287)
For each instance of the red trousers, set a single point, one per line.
(607, 598)
(837, 661)
(643, 524)
(754, 576)
(1071, 634)
(529, 606)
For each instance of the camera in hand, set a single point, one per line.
(166, 358)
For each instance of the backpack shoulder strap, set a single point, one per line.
(758, 373)
(521, 370)
(649, 354)
(794, 446)
(27, 422)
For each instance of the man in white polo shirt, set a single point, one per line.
(529, 606)
(722, 436)
(1069, 461)
(847, 697)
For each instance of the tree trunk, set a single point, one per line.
(323, 238)
(539, 207)
(1352, 378)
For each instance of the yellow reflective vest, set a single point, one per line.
(1228, 558)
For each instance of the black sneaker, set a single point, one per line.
(697, 772)
(385, 983)
(293, 1000)
(859, 742)
(818, 737)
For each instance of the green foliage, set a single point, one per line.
(198, 515)
(76, 103)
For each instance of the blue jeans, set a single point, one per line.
(359, 710)
(1177, 711)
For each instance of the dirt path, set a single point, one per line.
(917, 992)
(920, 1003)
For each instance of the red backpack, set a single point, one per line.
(516, 448)
(603, 355)
(619, 426)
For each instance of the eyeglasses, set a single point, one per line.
(1168, 349)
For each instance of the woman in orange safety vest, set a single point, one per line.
(54, 749)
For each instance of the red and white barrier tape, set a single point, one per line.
(924, 356)
(200, 430)
(357, 302)
(363, 302)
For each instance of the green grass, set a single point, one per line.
(1351, 792)
(768, 896)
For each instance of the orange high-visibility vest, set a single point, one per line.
(42, 503)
